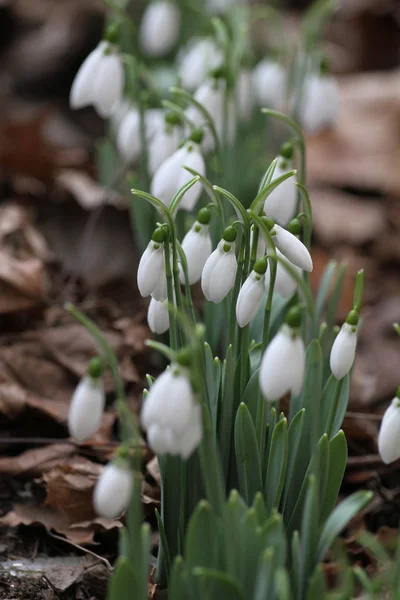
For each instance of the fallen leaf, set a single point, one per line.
(87, 192)
(36, 461)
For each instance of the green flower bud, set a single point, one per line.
(269, 222)
(260, 266)
(112, 33)
(172, 118)
(293, 317)
(95, 367)
(294, 227)
(286, 150)
(229, 234)
(352, 318)
(204, 216)
(158, 235)
(196, 136)
(184, 357)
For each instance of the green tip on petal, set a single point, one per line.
(95, 367)
(158, 235)
(229, 234)
(294, 227)
(286, 150)
(196, 136)
(260, 266)
(204, 216)
(352, 318)
(293, 317)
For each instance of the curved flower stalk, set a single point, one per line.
(171, 176)
(389, 434)
(158, 316)
(219, 271)
(344, 347)
(283, 363)
(319, 105)
(281, 204)
(197, 60)
(99, 81)
(197, 247)
(269, 84)
(171, 415)
(159, 28)
(87, 405)
(114, 488)
(151, 277)
(251, 294)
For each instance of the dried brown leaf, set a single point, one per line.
(36, 460)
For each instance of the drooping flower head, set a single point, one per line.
(151, 277)
(219, 271)
(290, 246)
(344, 347)
(114, 487)
(197, 247)
(87, 405)
(159, 28)
(280, 205)
(251, 294)
(319, 104)
(389, 434)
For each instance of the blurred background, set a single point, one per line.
(64, 237)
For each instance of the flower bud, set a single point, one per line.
(292, 248)
(285, 285)
(319, 104)
(151, 271)
(159, 28)
(87, 407)
(283, 365)
(219, 272)
(281, 204)
(343, 351)
(389, 434)
(196, 60)
(197, 247)
(113, 489)
(158, 316)
(251, 294)
(269, 84)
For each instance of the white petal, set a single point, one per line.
(343, 351)
(162, 146)
(269, 84)
(160, 439)
(160, 292)
(389, 434)
(285, 285)
(279, 359)
(292, 248)
(86, 409)
(165, 181)
(223, 276)
(128, 139)
(178, 403)
(197, 247)
(209, 267)
(319, 105)
(150, 269)
(153, 403)
(108, 85)
(158, 317)
(196, 61)
(193, 434)
(194, 160)
(298, 366)
(82, 87)
(280, 206)
(249, 299)
(159, 28)
(113, 491)
(154, 121)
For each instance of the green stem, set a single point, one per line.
(171, 300)
(188, 292)
(334, 406)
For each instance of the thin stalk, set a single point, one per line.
(170, 292)
(334, 405)
(188, 292)
(244, 354)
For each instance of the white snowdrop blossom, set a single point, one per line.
(280, 205)
(99, 81)
(128, 138)
(87, 407)
(269, 84)
(389, 434)
(319, 106)
(285, 285)
(283, 365)
(151, 277)
(251, 294)
(162, 146)
(171, 415)
(158, 317)
(159, 28)
(113, 489)
(197, 247)
(244, 95)
(292, 248)
(197, 60)
(343, 350)
(219, 272)
(171, 176)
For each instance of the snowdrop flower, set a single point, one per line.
(281, 204)
(283, 364)
(151, 277)
(99, 81)
(171, 415)
(128, 138)
(389, 434)
(171, 176)
(119, 113)
(251, 294)
(197, 60)
(159, 28)
(87, 406)
(219, 272)
(344, 347)
(269, 84)
(319, 104)
(244, 95)
(164, 142)
(197, 247)
(285, 285)
(158, 317)
(291, 247)
(113, 489)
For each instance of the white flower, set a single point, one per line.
(86, 410)
(219, 272)
(158, 317)
(389, 434)
(163, 144)
(244, 95)
(113, 489)
(269, 84)
(119, 113)
(280, 205)
(249, 298)
(319, 106)
(196, 60)
(171, 176)
(283, 364)
(197, 247)
(99, 81)
(129, 139)
(170, 414)
(292, 248)
(285, 285)
(151, 271)
(343, 351)
(159, 28)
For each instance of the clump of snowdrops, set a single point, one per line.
(245, 419)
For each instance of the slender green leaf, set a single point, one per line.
(277, 463)
(282, 585)
(336, 469)
(259, 507)
(247, 454)
(297, 566)
(163, 543)
(179, 585)
(124, 582)
(274, 536)
(216, 585)
(328, 400)
(294, 436)
(324, 287)
(309, 529)
(265, 572)
(202, 538)
(251, 394)
(213, 382)
(225, 418)
(317, 588)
